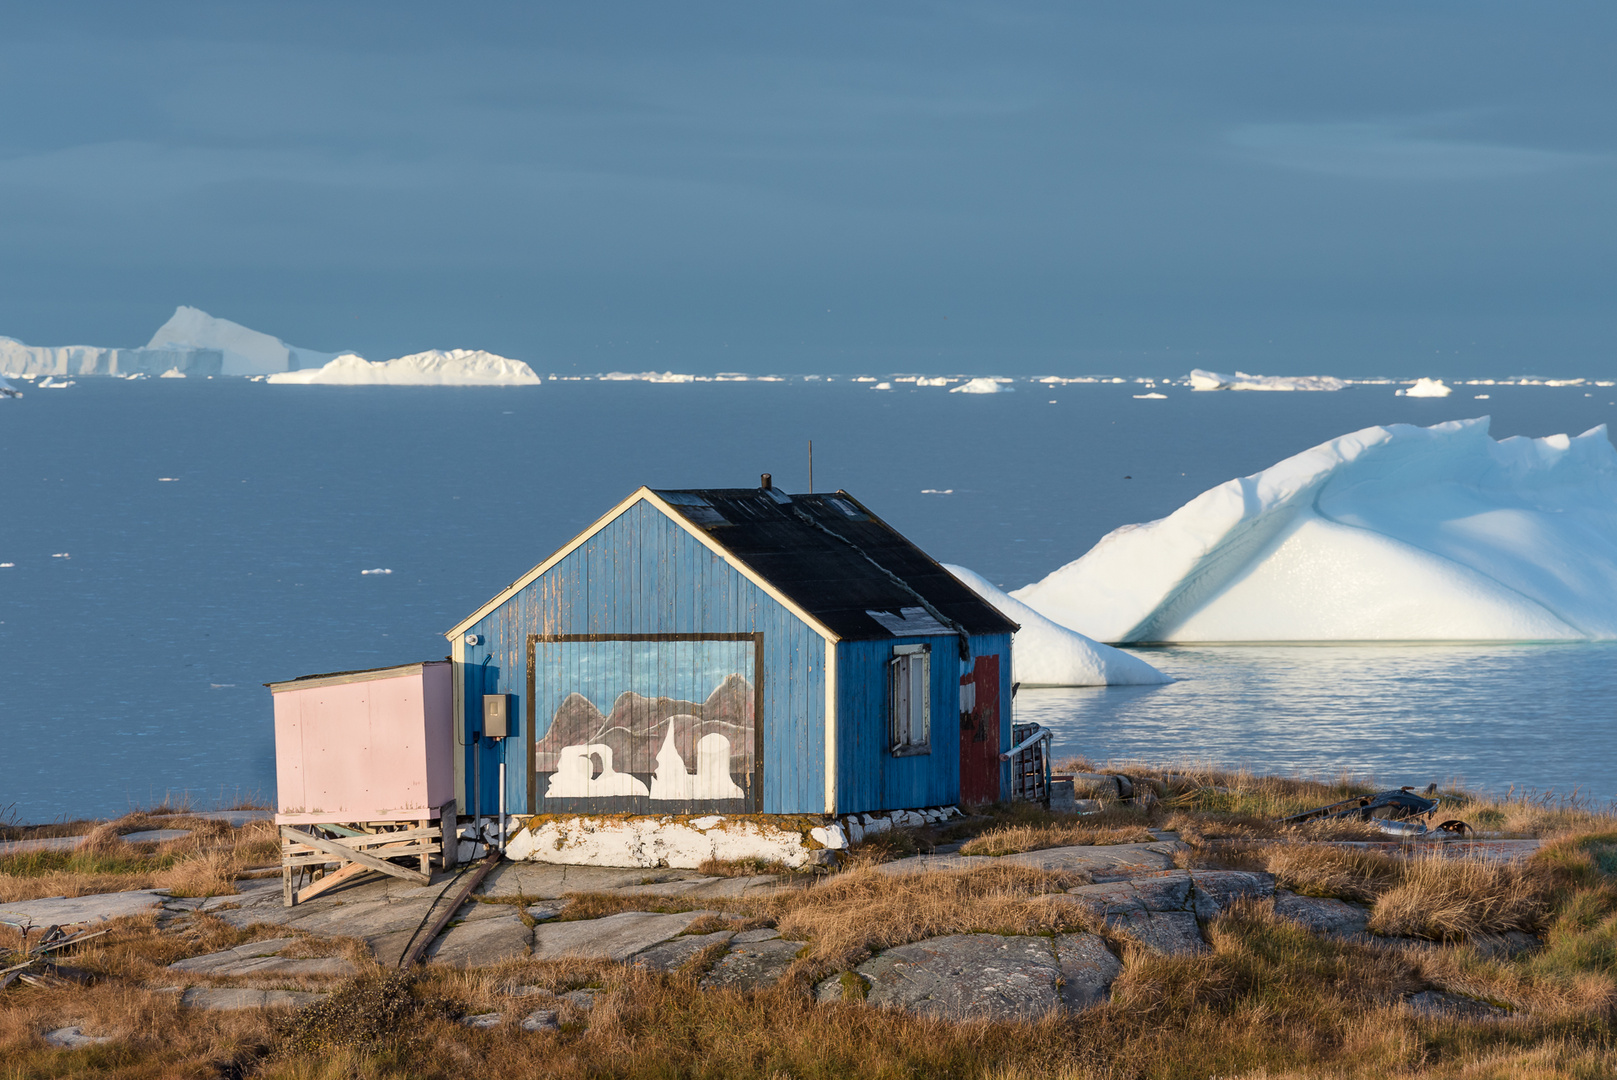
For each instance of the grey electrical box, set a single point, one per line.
(496, 716)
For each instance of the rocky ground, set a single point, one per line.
(1134, 891)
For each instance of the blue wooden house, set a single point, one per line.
(738, 651)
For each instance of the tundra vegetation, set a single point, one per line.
(1268, 999)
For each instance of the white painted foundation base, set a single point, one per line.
(686, 843)
(680, 843)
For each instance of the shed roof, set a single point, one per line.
(837, 561)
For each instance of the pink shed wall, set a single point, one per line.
(366, 746)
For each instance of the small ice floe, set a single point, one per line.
(51, 382)
(61, 555)
(982, 385)
(6, 565)
(863, 378)
(377, 570)
(167, 479)
(172, 373)
(882, 386)
(1480, 397)
(1426, 388)
(133, 375)
(1153, 396)
(937, 381)
(937, 491)
(221, 686)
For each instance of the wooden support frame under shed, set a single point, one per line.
(364, 776)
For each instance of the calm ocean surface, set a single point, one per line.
(143, 614)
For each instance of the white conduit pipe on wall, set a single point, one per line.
(502, 798)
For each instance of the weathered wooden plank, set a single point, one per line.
(333, 847)
(331, 881)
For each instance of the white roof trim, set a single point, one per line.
(644, 494)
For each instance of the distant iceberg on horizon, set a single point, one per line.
(457, 367)
(1213, 380)
(246, 352)
(1396, 533)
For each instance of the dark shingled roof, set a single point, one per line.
(838, 561)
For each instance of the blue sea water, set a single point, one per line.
(179, 543)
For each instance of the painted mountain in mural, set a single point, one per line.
(638, 725)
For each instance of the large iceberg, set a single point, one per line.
(66, 360)
(1045, 653)
(457, 367)
(1213, 380)
(1390, 533)
(246, 352)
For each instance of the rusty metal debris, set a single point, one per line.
(1397, 805)
(35, 965)
(1399, 812)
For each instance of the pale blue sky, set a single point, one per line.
(1399, 188)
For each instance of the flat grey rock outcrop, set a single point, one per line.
(1438, 1005)
(1175, 933)
(238, 997)
(1322, 914)
(259, 958)
(1162, 910)
(540, 1020)
(72, 1038)
(68, 910)
(154, 836)
(1088, 969)
(967, 977)
(616, 937)
(752, 964)
(676, 952)
(482, 942)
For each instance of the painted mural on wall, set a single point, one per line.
(659, 747)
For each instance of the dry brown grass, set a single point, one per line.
(1011, 839)
(1447, 899)
(847, 916)
(1323, 870)
(205, 863)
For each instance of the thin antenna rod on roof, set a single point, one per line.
(811, 466)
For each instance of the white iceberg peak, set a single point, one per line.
(457, 367)
(246, 352)
(982, 386)
(1389, 533)
(1426, 388)
(1045, 653)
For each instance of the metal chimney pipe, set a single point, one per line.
(765, 482)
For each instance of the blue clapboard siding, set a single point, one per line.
(869, 777)
(644, 574)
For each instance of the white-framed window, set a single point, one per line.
(909, 700)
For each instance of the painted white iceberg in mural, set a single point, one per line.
(1389, 533)
(672, 781)
(457, 367)
(575, 775)
(1044, 653)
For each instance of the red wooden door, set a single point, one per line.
(979, 732)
